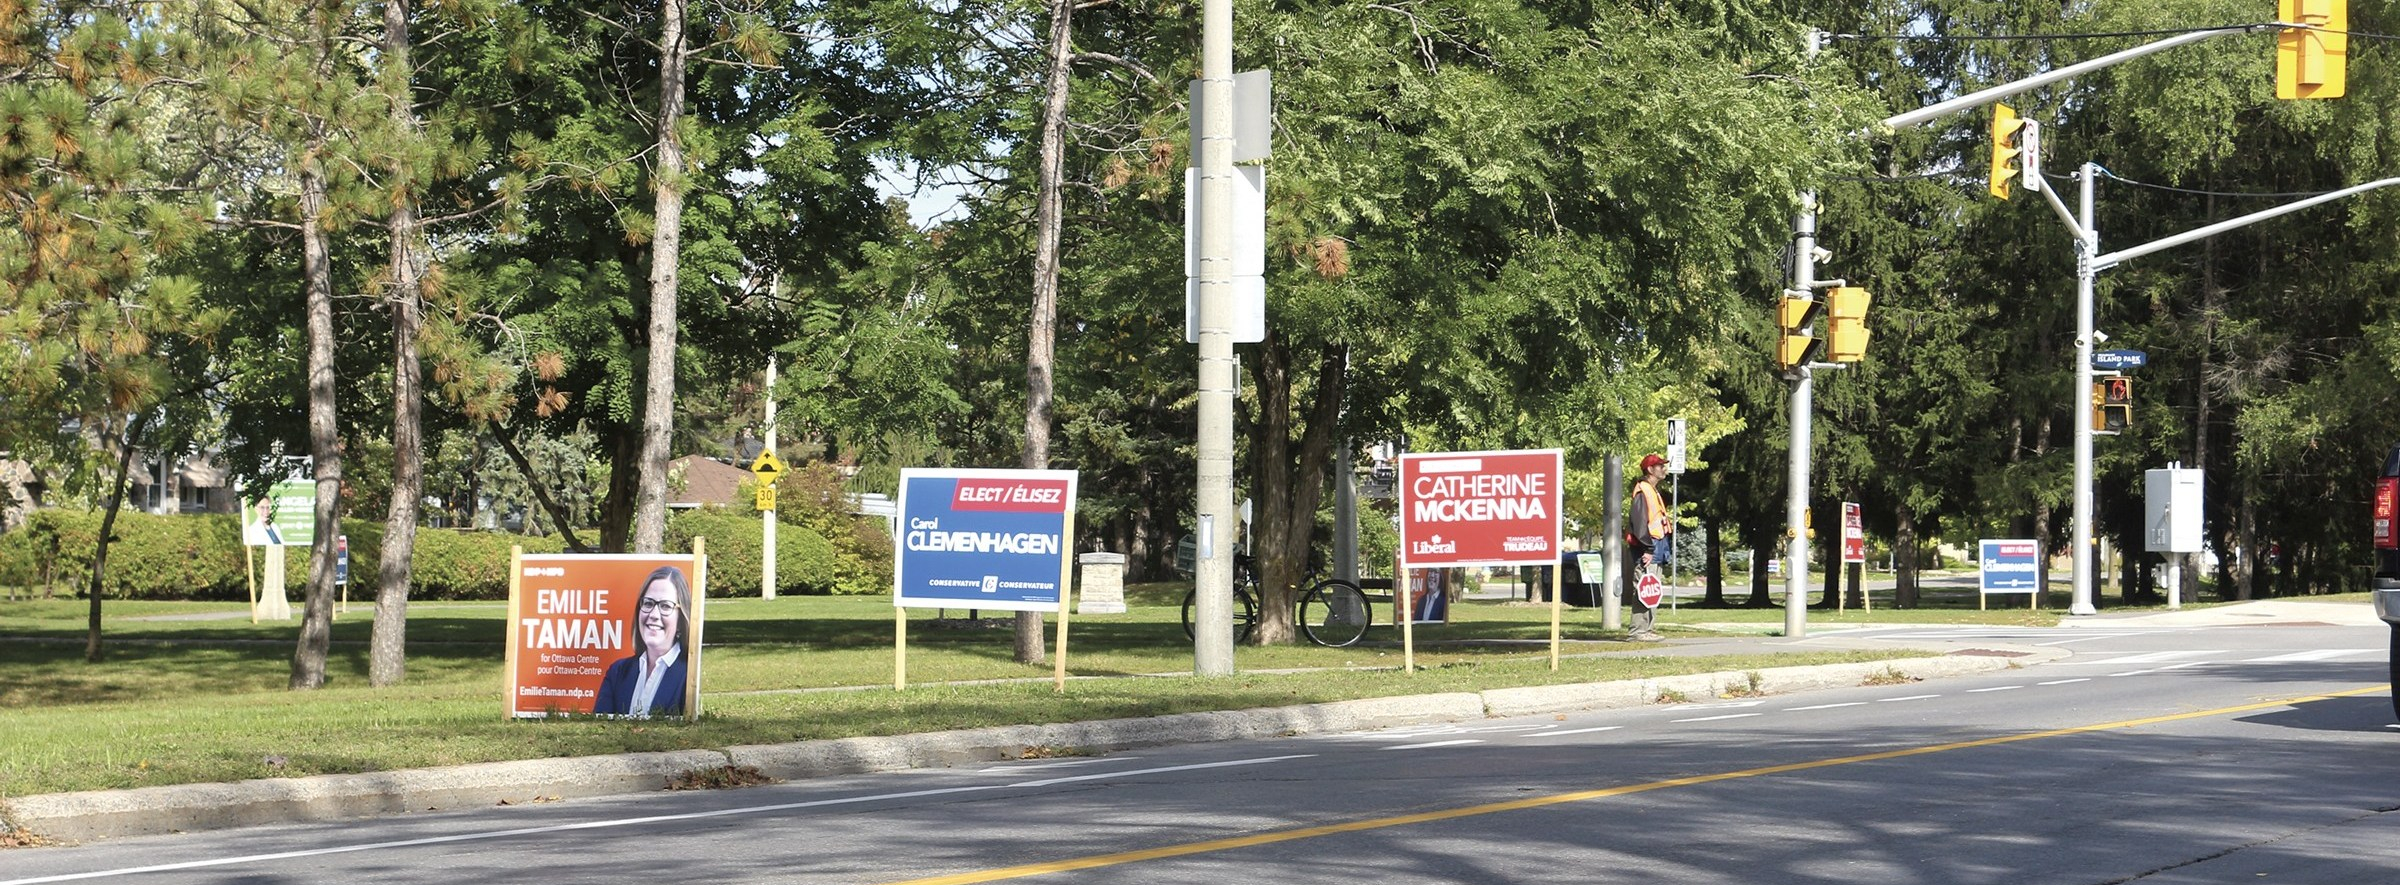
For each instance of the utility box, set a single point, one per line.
(2171, 514)
(1103, 585)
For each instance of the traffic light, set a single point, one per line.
(2112, 405)
(2007, 130)
(1794, 345)
(2312, 62)
(1846, 324)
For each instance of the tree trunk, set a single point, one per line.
(2041, 513)
(387, 648)
(108, 528)
(1904, 557)
(1760, 537)
(666, 245)
(624, 487)
(1715, 568)
(2243, 580)
(541, 490)
(1829, 535)
(324, 439)
(1287, 482)
(1041, 340)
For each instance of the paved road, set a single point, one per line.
(2158, 754)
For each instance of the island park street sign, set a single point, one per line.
(2114, 360)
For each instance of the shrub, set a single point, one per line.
(464, 564)
(806, 562)
(202, 557)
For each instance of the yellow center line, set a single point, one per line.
(1256, 839)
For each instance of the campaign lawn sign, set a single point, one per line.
(2009, 566)
(1479, 509)
(983, 539)
(285, 517)
(573, 616)
(1854, 552)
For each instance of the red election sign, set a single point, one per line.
(1854, 534)
(1480, 508)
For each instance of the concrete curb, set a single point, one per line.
(103, 814)
(98, 814)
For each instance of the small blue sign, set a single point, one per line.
(988, 539)
(2120, 359)
(2011, 566)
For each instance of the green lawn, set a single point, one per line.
(194, 692)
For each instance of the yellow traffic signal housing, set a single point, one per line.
(1795, 318)
(2312, 62)
(2007, 130)
(1846, 324)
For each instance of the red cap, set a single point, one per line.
(1649, 461)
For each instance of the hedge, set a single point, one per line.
(200, 557)
(806, 562)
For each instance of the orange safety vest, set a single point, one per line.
(1646, 494)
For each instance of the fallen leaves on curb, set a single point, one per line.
(13, 838)
(718, 778)
(1889, 676)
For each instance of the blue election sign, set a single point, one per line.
(2120, 359)
(988, 539)
(2011, 566)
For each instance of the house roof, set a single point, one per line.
(693, 481)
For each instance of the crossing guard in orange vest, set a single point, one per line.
(1652, 536)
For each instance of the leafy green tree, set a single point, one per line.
(101, 349)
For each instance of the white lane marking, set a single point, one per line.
(2164, 669)
(1429, 746)
(1996, 688)
(626, 822)
(1045, 766)
(2148, 657)
(1913, 697)
(1825, 706)
(1715, 718)
(1547, 734)
(1726, 705)
(2051, 682)
(2312, 655)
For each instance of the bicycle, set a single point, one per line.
(1333, 612)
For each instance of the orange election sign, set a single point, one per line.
(584, 629)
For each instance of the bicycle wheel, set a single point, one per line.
(1245, 612)
(1334, 613)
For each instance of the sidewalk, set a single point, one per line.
(193, 807)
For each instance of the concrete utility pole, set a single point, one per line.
(2087, 241)
(1212, 561)
(1795, 505)
(766, 565)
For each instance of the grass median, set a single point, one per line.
(194, 692)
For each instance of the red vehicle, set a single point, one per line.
(2387, 558)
